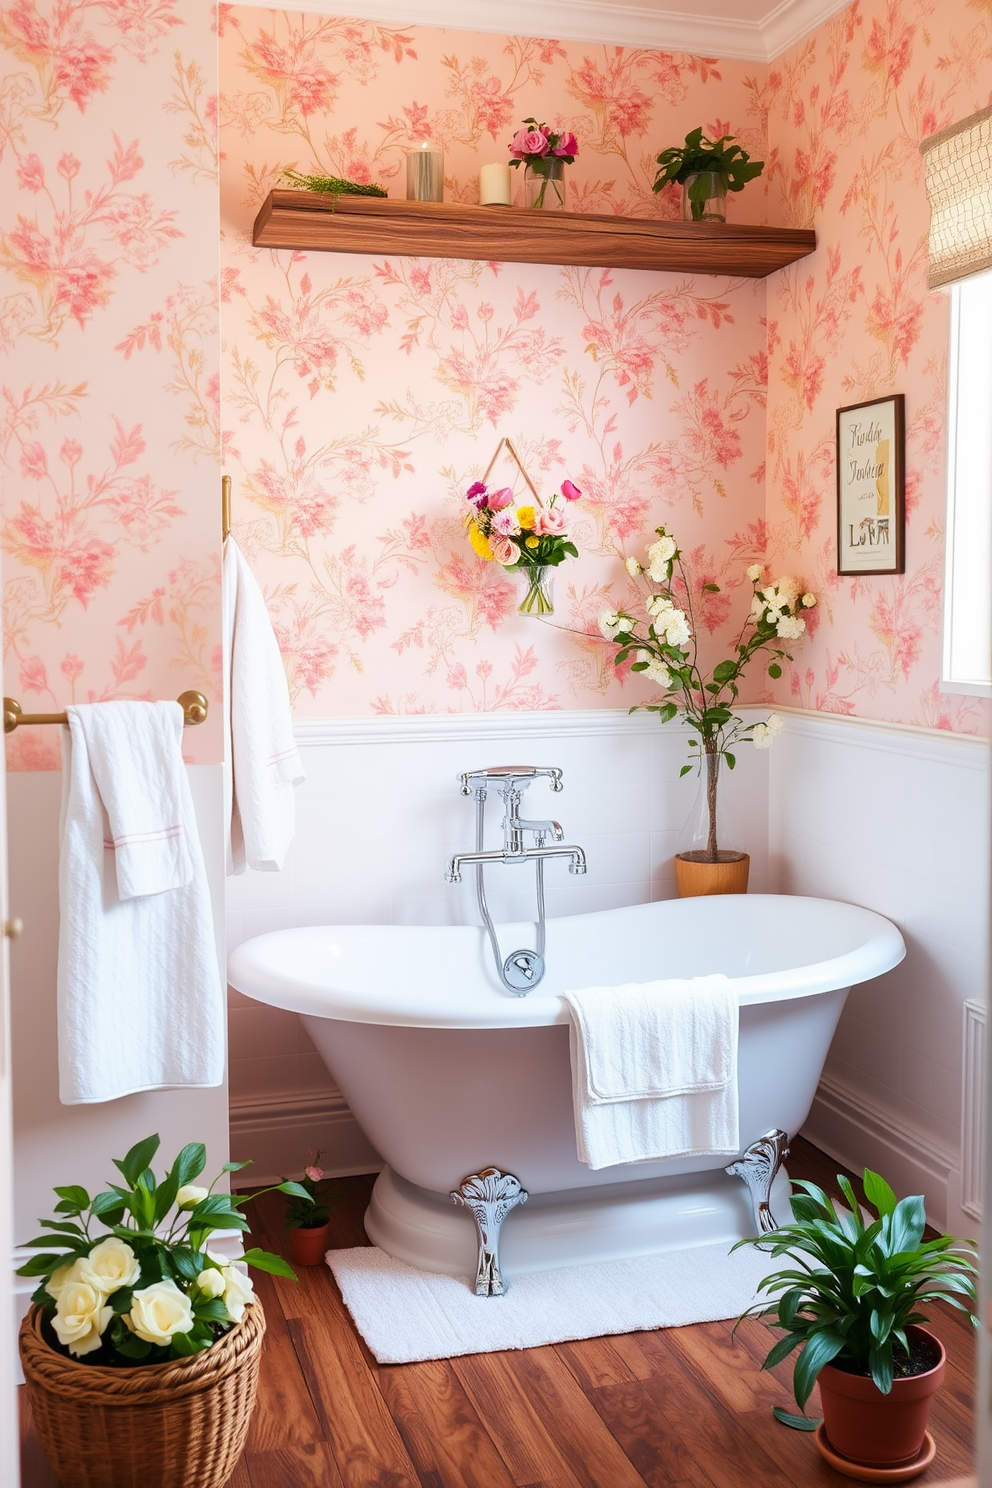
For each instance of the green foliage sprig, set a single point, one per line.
(331, 185)
(148, 1288)
(855, 1287)
(731, 163)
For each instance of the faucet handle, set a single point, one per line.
(509, 777)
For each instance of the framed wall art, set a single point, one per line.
(871, 487)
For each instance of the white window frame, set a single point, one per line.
(967, 662)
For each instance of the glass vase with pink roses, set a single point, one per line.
(531, 537)
(543, 153)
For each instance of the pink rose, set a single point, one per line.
(567, 145)
(504, 551)
(476, 493)
(528, 142)
(550, 522)
(314, 1174)
(570, 492)
(498, 499)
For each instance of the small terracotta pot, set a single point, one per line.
(873, 1429)
(694, 876)
(308, 1244)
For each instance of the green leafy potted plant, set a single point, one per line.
(706, 170)
(664, 648)
(141, 1349)
(851, 1303)
(308, 1214)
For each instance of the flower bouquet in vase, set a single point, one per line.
(141, 1350)
(543, 153)
(530, 538)
(664, 649)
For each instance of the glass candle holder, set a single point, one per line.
(425, 173)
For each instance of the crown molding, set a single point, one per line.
(612, 24)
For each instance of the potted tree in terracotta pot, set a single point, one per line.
(663, 646)
(308, 1214)
(851, 1303)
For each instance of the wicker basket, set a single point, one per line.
(181, 1424)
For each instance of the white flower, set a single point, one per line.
(238, 1292)
(760, 737)
(658, 604)
(190, 1195)
(211, 1282)
(788, 590)
(110, 1265)
(159, 1312)
(633, 567)
(808, 601)
(789, 629)
(660, 555)
(656, 670)
(609, 623)
(774, 723)
(675, 627)
(60, 1277)
(754, 572)
(81, 1316)
(758, 607)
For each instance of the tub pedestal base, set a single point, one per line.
(758, 1168)
(489, 1195)
(567, 1228)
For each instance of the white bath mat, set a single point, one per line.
(405, 1314)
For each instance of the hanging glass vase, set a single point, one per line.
(711, 857)
(544, 184)
(538, 582)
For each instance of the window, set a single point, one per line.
(967, 665)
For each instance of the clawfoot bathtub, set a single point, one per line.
(449, 1074)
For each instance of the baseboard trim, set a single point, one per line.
(277, 1132)
(858, 1132)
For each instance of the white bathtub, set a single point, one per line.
(447, 1073)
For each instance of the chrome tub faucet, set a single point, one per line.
(522, 969)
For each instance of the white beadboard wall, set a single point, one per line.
(896, 819)
(890, 817)
(378, 817)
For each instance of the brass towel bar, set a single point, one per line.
(225, 507)
(193, 704)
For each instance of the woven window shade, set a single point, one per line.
(958, 167)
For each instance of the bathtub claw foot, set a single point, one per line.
(490, 1195)
(758, 1168)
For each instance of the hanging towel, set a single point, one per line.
(264, 766)
(654, 1070)
(140, 1000)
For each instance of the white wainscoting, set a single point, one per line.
(377, 819)
(896, 819)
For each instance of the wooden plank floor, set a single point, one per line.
(666, 1409)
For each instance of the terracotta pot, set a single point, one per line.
(693, 875)
(879, 1430)
(308, 1244)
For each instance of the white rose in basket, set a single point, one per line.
(159, 1312)
(81, 1316)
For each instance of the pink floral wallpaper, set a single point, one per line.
(109, 386)
(846, 112)
(362, 395)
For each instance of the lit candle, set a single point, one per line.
(425, 173)
(494, 186)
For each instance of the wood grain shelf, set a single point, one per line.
(307, 220)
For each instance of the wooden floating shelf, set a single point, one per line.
(307, 220)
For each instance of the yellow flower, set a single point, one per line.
(531, 542)
(526, 517)
(480, 542)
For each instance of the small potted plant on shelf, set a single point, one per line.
(141, 1349)
(308, 1214)
(530, 538)
(665, 650)
(706, 170)
(850, 1302)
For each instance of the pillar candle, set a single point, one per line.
(494, 186)
(425, 173)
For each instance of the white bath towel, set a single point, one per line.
(654, 1070)
(140, 1001)
(264, 766)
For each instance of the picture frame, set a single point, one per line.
(871, 487)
